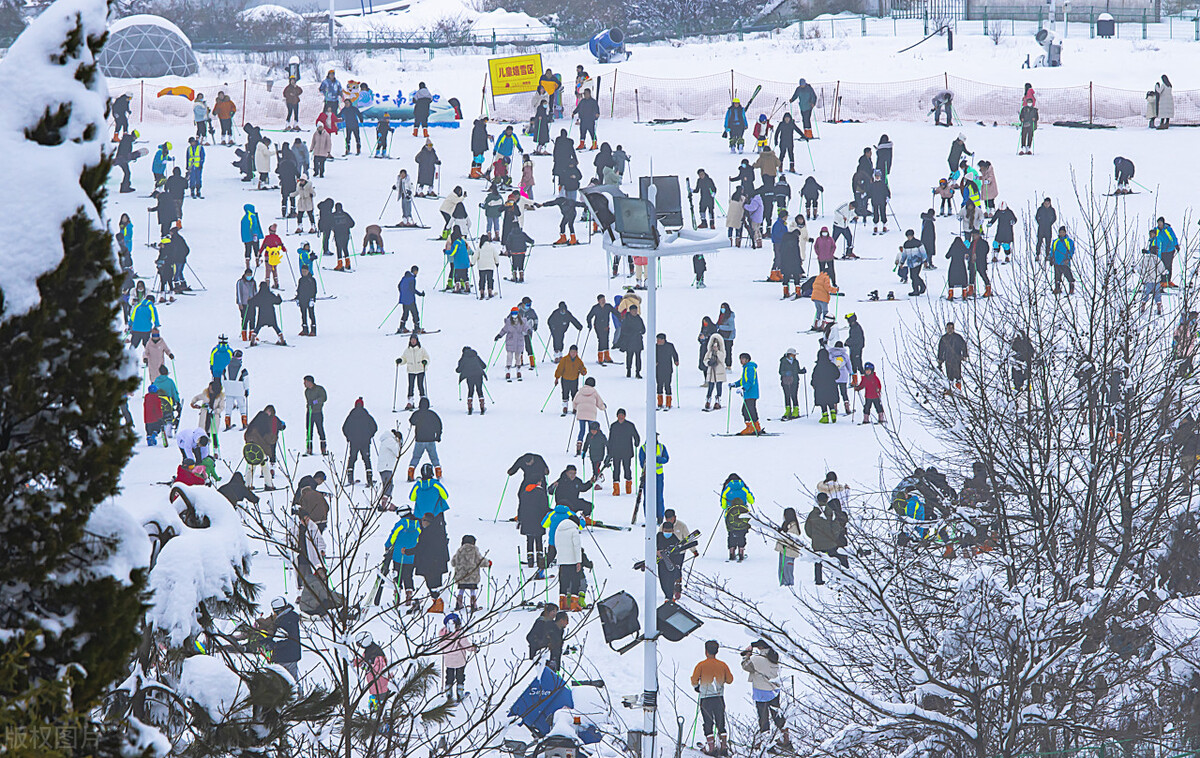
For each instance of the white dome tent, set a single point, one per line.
(145, 46)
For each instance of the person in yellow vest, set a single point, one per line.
(274, 248)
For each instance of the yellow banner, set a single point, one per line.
(516, 74)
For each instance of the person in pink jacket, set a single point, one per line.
(155, 353)
(826, 247)
(587, 404)
(375, 665)
(455, 647)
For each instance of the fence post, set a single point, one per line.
(732, 92)
(863, 19)
(243, 102)
(1039, 16)
(1143, 37)
(800, 29)
(431, 46)
(926, 17)
(613, 105)
(493, 40)
(1091, 101)
(837, 101)
(741, 37)
(985, 20)
(1198, 26)
(1092, 25)
(142, 100)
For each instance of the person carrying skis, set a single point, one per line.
(359, 429)
(735, 126)
(707, 190)
(623, 440)
(736, 500)
(570, 367)
(709, 678)
(1028, 118)
(951, 352)
(805, 98)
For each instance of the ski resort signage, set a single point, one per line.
(515, 74)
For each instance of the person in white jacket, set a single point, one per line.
(263, 154)
(486, 259)
(390, 446)
(404, 191)
(845, 213)
(761, 662)
(236, 381)
(568, 545)
(211, 403)
(414, 360)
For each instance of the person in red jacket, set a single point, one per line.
(153, 416)
(872, 390)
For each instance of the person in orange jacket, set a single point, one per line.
(822, 290)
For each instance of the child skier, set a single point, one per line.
(455, 648)
(762, 133)
(467, 563)
(736, 500)
(274, 248)
(872, 390)
(811, 192)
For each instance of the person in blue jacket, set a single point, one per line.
(143, 321)
(661, 457)
(428, 496)
(1061, 252)
(735, 126)
(460, 262)
(556, 516)
(748, 384)
(506, 143)
(219, 358)
(408, 301)
(778, 229)
(162, 156)
(806, 99)
(252, 234)
(1163, 237)
(402, 546)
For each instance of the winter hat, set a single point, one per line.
(962, 137)
(279, 603)
(589, 382)
(791, 351)
(358, 403)
(824, 230)
(404, 511)
(154, 388)
(364, 639)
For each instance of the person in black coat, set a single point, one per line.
(630, 341)
(707, 190)
(978, 262)
(603, 159)
(422, 101)
(811, 192)
(288, 171)
(431, 557)
(262, 305)
(539, 634)
(855, 343)
(480, 141)
(623, 440)
(883, 156)
(359, 429)
(951, 352)
(785, 135)
(352, 117)
(306, 298)
(791, 260)
(167, 210)
(588, 110)
(568, 490)
(1045, 218)
(559, 321)
(707, 329)
(541, 129)
(427, 432)
(533, 505)
(1005, 221)
(427, 163)
(340, 223)
(517, 243)
(824, 384)
(957, 275)
(929, 238)
(563, 153)
(666, 358)
(325, 223)
(599, 318)
(473, 371)
(175, 188)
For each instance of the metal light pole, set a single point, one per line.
(650, 502)
(332, 42)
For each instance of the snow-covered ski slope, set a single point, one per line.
(353, 358)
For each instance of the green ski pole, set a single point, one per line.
(388, 316)
(496, 518)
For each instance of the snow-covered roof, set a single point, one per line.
(269, 12)
(147, 19)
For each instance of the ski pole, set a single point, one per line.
(385, 202)
(395, 387)
(388, 316)
(555, 386)
(678, 401)
(501, 503)
(728, 406)
(489, 394)
(495, 344)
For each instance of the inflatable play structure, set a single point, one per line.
(399, 107)
(609, 46)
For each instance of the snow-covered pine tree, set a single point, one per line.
(69, 584)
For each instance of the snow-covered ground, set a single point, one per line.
(354, 358)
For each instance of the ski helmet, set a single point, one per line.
(427, 471)
(364, 639)
(868, 366)
(153, 388)
(762, 118)
(222, 338)
(452, 618)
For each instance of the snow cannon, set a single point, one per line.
(1053, 47)
(609, 46)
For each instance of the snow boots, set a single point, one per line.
(437, 606)
(562, 240)
(578, 447)
(616, 487)
(476, 173)
(412, 471)
(482, 408)
(470, 406)
(576, 603)
(573, 241)
(532, 362)
(580, 146)
(660, 402)
(628, 486)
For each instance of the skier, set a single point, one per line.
(331, 89)
(824, 384)
(943, 104)
(595, 449)
(951, 352)
(727, 328)
(872, 391)
(587, 110)
(194, 159)
(629, 340)
(1062, 250)
(408, 301)
(599, 319)
(988, 189)
(1123, 173)
(762, 133)
(454, 212)
(527, 180)
(486, 259)
(123, 157)
(263, 156)
(911, 258)
(158, 167)
(321, 147)
(273, 248)
(1151, 272)
(155, 353)
(811, 192)
(1163, 237)
(1004, 220)
(735, 126)
(473, 370)
(458, 255)
(427, 163)
(284, 642)
(666, 358)
(351, 118)
(958, 149)
(714, 371)
(401, 546)
(223, 109)
(841, 226)
(806, 99)
(422, 100)
(517, 243)
(570, 367)
(1045, 218)
(747, 385)
(235, 380)
(826, 526)
(467, 564)
(707, 190)
(251, 235)
(359, 429)
(566, 206)
(291, 99)
(623, 440)
(533, 505)
(1028, 118)
(736, 500)
(513, 331)
(785, 135)
(822, 289)
(956, 275)
(302, 202)
(415, 359)
(262, 306)
(480, 140)
(152, 415)
(427, 431)
(789, 379)
(263, 433)
(383, 128)
(878, 193)
(661, 457)
(709, 679)
(340, 224)
(314, 414)
(586, 404)
(558, 323)
(431, 557)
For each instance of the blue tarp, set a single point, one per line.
(536, 706)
